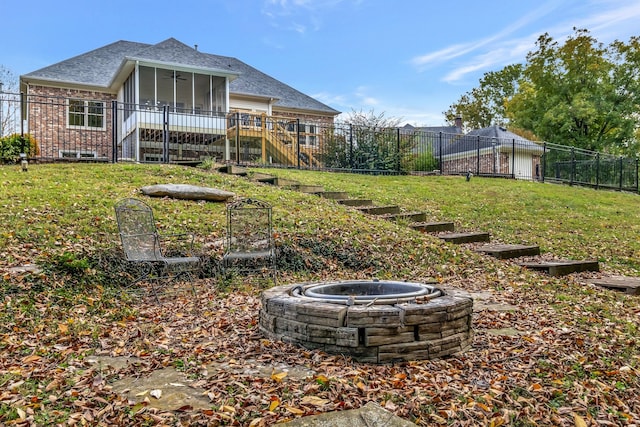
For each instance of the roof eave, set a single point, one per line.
(65, 83)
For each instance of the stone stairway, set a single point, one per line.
(444, 230)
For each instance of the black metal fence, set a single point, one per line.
(74, 130)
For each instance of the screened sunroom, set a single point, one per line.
(173, 111)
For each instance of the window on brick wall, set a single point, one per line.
(86, 114)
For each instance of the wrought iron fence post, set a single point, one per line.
(478, 156)
(637, 188)
(298, 142)
(573, 165)
(513, 158)
(597, 171)
(621, 173)
(398, 149)
(165, 134)
(114, 136)
(351, 163)
(440, 166)
(544, 160)
(237, 137)
(22, 113)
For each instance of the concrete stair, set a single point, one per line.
(334, 195)
(459, 238)
(405, 216)
(355, 202)
(509, 251)
(562, 267)
(379, 210)
(628, 285)
(433, 227)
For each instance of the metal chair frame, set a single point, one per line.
(249, 243)
(144, 246)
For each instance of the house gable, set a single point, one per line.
(106, 68)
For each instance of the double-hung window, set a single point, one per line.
(86, 114)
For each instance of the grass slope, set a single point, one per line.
(574, 359)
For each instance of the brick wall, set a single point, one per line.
(47, 123)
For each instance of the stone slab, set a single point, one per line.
(303, 188)
(629, 285)
(355, 202)
(405, 216)
(335, 195)
(234, 170)
(431, 227)
(471, 237)
(370, 415)
(562, 267)
(187, 192)
(379, 210)
(509, 251)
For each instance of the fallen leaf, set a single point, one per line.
(157, 393)
(293, 410)
(278, 377)
(579, 421)
(314, 400)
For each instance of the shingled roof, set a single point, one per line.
(489, 137)
(101, 67)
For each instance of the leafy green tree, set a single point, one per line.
(484, 105)
(576, 94)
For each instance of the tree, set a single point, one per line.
(374, 143)
(484, 105)
(9, 104)
(576, 93)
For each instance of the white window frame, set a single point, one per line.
(77, 154)
(87, 104)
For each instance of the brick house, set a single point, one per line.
(163, 102)
(493, 151)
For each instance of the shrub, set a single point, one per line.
(12, 145)
(426, 162)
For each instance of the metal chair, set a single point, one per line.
(143, 246)
(249, 243)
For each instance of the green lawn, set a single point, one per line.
(574, 359)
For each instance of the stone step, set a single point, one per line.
(234, 170)
(274, 180)
(509, 251)
(264, 178)
(629, 285)
(405, 216)
(379, 210)
(431, 227)
(307, 188)
(334, 195)
(355, 202)
(471, 237)
(562, 267)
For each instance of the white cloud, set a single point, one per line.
(458, 50)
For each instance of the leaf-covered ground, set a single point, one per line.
(566, 355)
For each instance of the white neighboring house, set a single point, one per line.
(493, 151)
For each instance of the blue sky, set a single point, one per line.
(408, 59)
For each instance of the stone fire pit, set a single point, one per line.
(371, 321)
